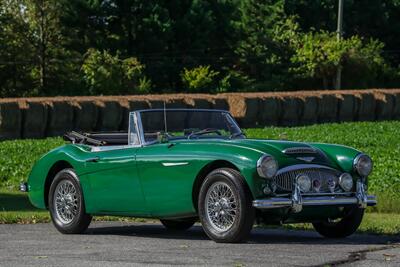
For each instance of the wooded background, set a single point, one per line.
(116, 47)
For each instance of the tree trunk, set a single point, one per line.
(42, 47)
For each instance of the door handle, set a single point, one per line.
(95, 159)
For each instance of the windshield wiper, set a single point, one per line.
(205, 131)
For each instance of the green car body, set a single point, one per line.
(163, 179)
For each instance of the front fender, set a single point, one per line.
(343, 156)
(72, 154)
(244, 158)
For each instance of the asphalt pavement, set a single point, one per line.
(138, 244)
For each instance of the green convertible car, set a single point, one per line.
(184, 165)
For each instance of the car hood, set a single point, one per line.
(289, 152)
(330, 155)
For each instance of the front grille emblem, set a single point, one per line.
(306, 159)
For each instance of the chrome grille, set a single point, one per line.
(284, 181)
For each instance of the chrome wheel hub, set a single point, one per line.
(221, 206)
(66, 201)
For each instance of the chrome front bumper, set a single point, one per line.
(297, 201)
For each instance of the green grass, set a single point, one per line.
(381, 140)
(15, 208)
(18, 156)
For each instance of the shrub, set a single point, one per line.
(199, 79)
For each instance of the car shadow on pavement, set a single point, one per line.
(15, 202)
(258, 235)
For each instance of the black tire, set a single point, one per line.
(79, 221)
(243, 214)
(178, 225)
(342, 228)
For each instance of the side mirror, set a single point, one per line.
(162, 137)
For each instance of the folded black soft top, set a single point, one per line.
(97, 139)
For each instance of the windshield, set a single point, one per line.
(189, 124)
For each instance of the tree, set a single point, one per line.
(15, 51)
(262, 56)
(109, 75)
(318, 55)
(43, 17)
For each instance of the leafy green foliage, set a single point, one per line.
(108, 74)
(199, 79)
(262, 55)
(253, 45)
(318, 55)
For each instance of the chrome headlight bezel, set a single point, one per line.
(346, 182)
(359, 165)
(264, 170)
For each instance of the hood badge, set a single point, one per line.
(306, 159)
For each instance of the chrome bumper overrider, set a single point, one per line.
(297, 201)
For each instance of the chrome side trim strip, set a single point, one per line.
(170, 164)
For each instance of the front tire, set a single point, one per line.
(343, 227)
(225, 206)
(178, 225)
(66, 204)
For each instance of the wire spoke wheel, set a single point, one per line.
(221, 206)
(66, 201)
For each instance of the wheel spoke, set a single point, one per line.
(221, 206)
(66, 201)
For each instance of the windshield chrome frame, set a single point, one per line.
(139, 126)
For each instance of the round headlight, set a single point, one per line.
(346, 182)
(267, 166)
(304, 182)
(363, 165)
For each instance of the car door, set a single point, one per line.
(167, 175)
(114, 183)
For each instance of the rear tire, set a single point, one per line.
(66, 204)
(178, 225)
(342, 228)
(225, 206)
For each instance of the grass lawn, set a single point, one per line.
(15, 208)
(381, 140)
